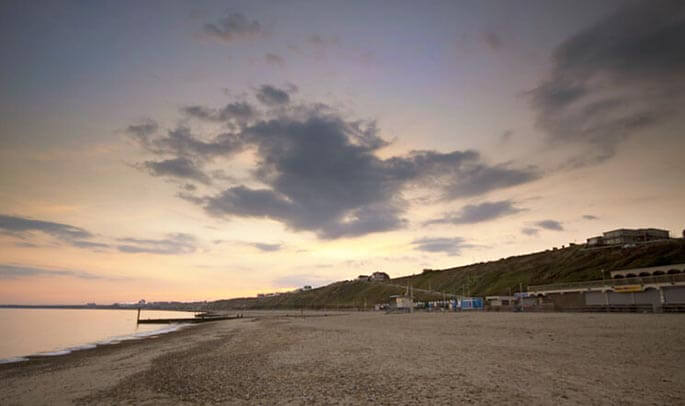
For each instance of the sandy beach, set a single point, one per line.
(374, 358)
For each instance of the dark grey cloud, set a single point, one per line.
(478, 178)
(272, 96)
(590, 217)
(89, 244)
(234, 26)
(274, 60)
(616, 79)
(181, 168)
(477, 213)
(239, 112)
(320, 41)
(450, 246)
(267, 247)
(15, 272)
(174, 244)
(19, 226)
(142, 131)
(492, 40)
(323, 177)
(550, 225)
(319, 171)
(530, 231)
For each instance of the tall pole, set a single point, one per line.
(411, 293)
(521, 294)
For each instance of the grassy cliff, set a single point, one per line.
(500, 277)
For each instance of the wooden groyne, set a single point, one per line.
(199, 318)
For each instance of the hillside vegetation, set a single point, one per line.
(500, 277)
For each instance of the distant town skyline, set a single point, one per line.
(204, 150)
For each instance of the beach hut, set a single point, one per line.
(402, 302)
(472, 303)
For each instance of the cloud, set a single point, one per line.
(15, 272)
(21, 227)
(530, 231)
(506, 136)
(622, 77)
(181, 142)
(142, 131)
(274, 60)
(449, 246)
(186, 153)
(300, 280)
(18, 225)
(180, 168)
(481, 179)
(323, 42)
(590, 217)
(238, 112)
(272, 96)
(233, 27)
(267, 247)
(174, 244)
(477, 213)
(316, 170)
(89, 244)
(492, 40)
(550, 225)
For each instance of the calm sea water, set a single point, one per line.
(26, 332)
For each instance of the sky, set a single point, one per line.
(175, 150)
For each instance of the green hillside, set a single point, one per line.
(500, 277)
(340, 295)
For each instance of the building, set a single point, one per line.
(403, 302)
(379, 276)
(674, 269)
(595, 241)
(499, 301)
(656, 288)
(365, 278)
(471, 303)
(624, 236)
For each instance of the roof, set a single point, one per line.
(650, 268)
(635, 229)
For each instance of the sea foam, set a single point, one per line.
(107, 341)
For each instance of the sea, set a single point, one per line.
(53, 332)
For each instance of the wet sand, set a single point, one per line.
(373, 358)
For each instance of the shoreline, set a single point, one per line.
(108, 341)
(76, 355)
